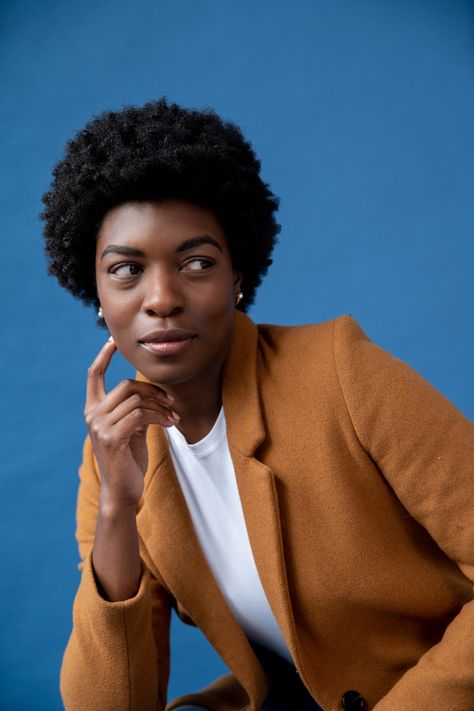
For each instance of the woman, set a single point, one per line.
(297, 493)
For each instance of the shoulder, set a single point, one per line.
(290, 341)
(305, 357)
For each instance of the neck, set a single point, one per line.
(198, 404)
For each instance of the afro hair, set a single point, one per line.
(156, 152)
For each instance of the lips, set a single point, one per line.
(167, 342)
(165, 335)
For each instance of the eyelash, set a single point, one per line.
(116, 267)
(206, 260)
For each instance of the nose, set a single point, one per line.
(162, 295)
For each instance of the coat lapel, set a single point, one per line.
(256, 482)
(170, 546)
(167, 534)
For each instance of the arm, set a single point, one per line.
(424, 447)
(118, 653)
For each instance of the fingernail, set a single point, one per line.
(110, 340)
(174, 415)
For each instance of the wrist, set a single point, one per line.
(111, 507)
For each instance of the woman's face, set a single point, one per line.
(164, 267)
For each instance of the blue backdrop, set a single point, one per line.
(362, 115)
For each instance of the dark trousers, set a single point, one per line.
(287, 692)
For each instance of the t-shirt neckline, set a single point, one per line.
(207, 444)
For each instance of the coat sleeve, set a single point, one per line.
(117, 656)
(424, 447)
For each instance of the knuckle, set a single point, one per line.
(95, 429)
(106, 440)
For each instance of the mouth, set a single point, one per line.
(168, 343)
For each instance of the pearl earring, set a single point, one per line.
(240, 296)
(100, 313)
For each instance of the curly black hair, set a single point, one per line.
(155, 152)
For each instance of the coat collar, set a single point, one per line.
(167, 537)
(240, 396)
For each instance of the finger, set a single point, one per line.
(95, 391)
(137, 421)
(126, 389)
(138, 401)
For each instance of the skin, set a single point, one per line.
(168, 285)
(194, 290)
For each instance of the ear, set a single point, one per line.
(237, 279)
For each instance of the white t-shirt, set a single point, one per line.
(207, 478)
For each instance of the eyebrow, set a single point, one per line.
(119, 249)
(197, 241)
(183, 247)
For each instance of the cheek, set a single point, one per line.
(218, 311)
(116, 302)
(219, 325)
(119, 318)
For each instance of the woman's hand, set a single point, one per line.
(117, 422)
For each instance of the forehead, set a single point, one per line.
(161, 224)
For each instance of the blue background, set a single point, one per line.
(362, 115)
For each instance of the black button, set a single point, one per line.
(353, 701)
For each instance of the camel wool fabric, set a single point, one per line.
(355, 477)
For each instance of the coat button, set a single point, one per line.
(353, 701)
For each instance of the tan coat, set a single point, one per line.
(356, 481)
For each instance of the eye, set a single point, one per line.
(197, 264)
(125, 270)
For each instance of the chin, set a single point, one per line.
(167, 376)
